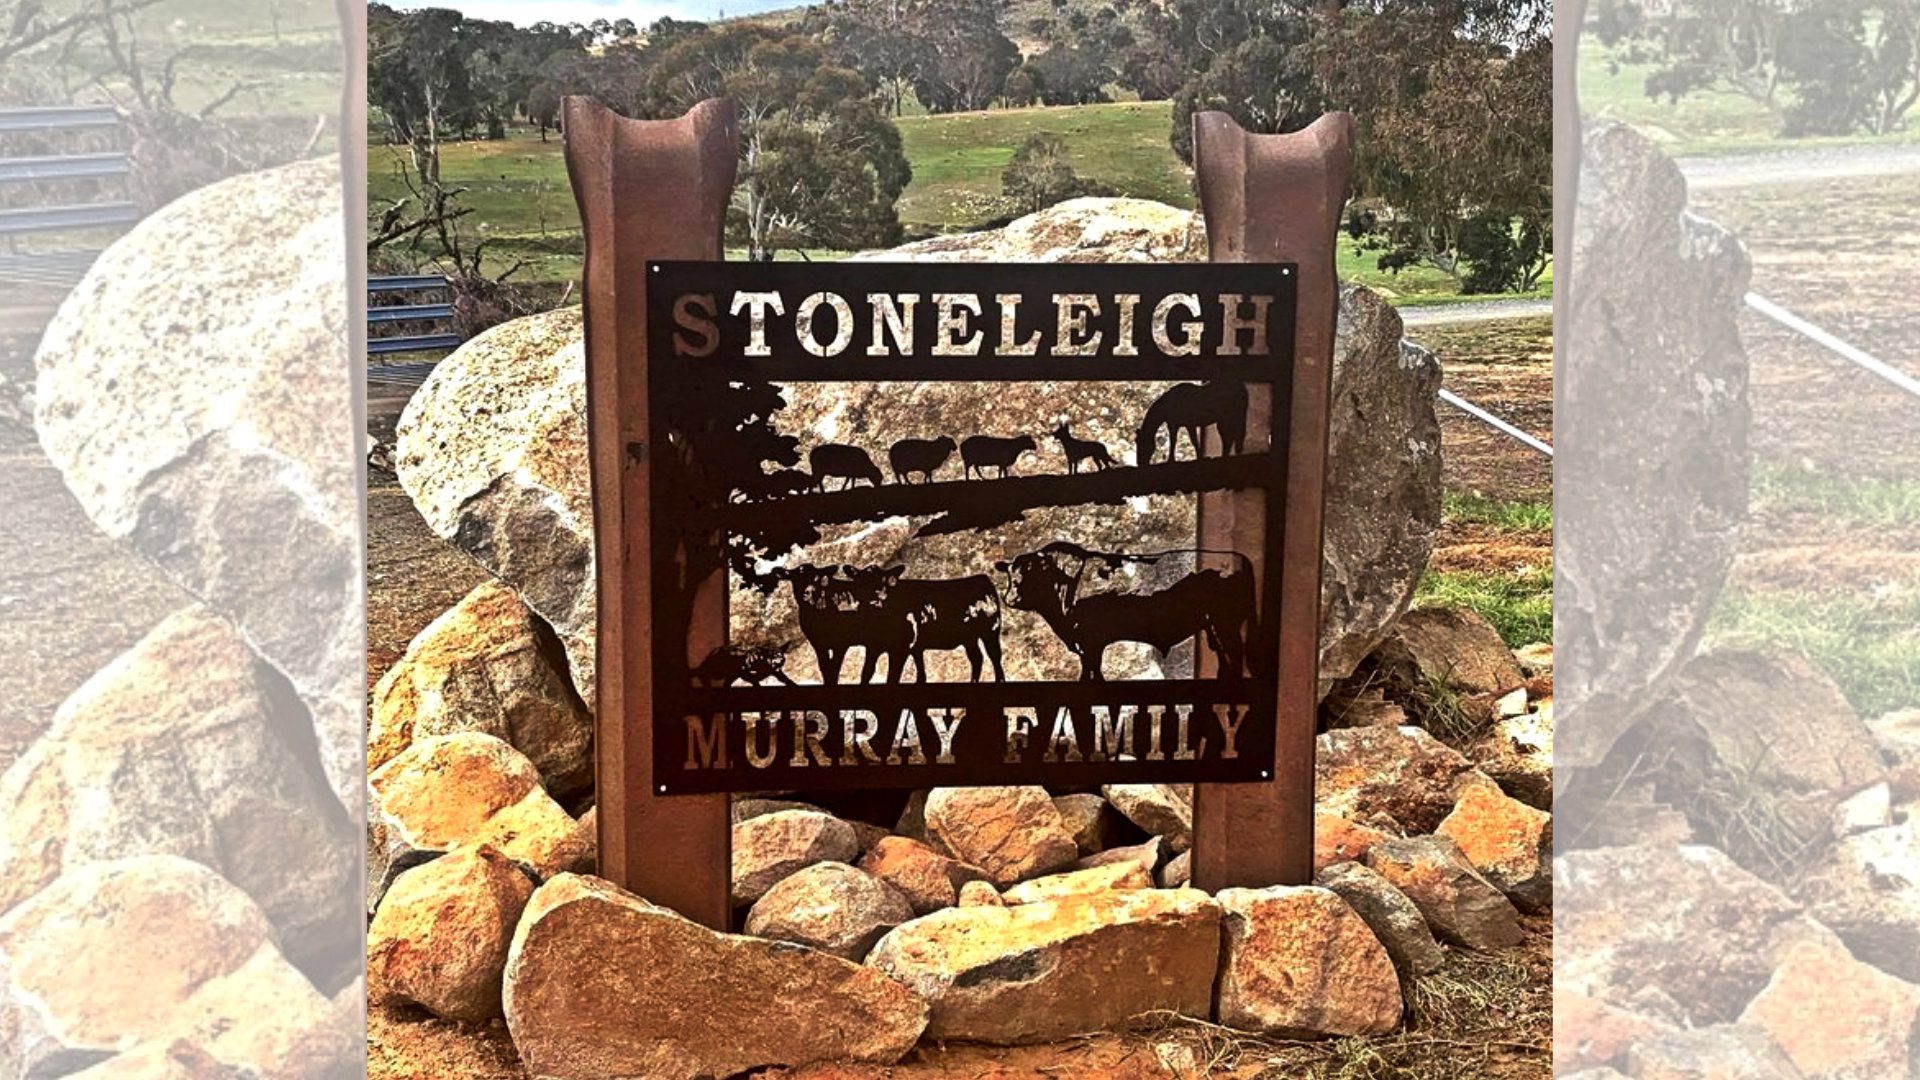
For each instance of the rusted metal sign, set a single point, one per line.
(744, 486)
(1041, 643)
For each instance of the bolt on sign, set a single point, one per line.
(957, 566)
(743, 487)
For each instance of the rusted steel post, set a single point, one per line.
(1276, 198)
(648, 190)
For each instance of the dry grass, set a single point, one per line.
(1487, 1016)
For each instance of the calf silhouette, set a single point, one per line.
(1192, 408)
(941, 613)
(752, 665)
(850, 463)
(1079, 450)
(830, 615)
(982, 452)
(922, 456)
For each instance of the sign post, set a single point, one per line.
(1270, 198)
(647, 190)
(707, 482)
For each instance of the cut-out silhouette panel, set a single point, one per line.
(822, 520)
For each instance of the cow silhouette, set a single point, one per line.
(936, 613)
(850, 463)
(1215, 600)
(983, 452)
(1192, 408)
(922, 456)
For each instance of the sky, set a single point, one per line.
(642, 12)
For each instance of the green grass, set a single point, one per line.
(518, 188)
(1870, 647)
(1531, 515)
(957, 158)
(1707, 122)
(1520, 606)
(1861, 501)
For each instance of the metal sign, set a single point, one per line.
(741, 488)
(704, 482)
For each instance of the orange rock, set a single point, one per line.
(440, 937)
(1460, 905)
(1837, 1018)
(831, 906)
(468, 788)
(1337, 840)
(487, 665)
(1589, 1033)
(1093, 879)
(1048, 970)
(1011, 833)
(601, 983)
(1299, 962)
(929, 880)
(1509, 842)
(770, 847)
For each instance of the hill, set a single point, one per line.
(518, 186)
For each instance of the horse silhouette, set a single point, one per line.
(1192, 408)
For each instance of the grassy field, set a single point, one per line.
(518, 189)
(1709, 122)
(1517, 601)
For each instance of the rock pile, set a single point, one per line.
(179, 849)
(1004, 915)
(1740, 899)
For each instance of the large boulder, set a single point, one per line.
(831, 906)
(440, 937)
(600, 983)
(157, 948)
(1049, 970)
(142, 761)
(493, 451)
(1010, 833)
(467, 788)
(488, 664)
(193, 390)
(1383, 481)
(1299, 962)
(1651, 481)
(1085, 230)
